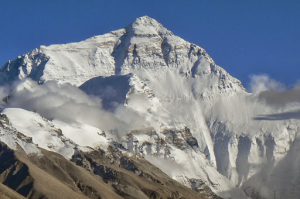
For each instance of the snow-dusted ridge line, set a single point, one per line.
(145, 44)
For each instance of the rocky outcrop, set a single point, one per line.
(134, 177)
(98, 175)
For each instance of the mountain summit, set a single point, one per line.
(147, 25)
(143, 45)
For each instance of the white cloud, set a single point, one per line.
(261, 83)
(68, 103)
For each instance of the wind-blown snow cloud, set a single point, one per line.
(270, 101)
(261, 83)
(68, 103)
(4, 92)
(273, 92)
(282, 98)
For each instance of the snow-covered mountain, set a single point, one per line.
(145, 44)
(150, 94)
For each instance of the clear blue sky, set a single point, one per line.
(244, 37)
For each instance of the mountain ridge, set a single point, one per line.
(35, 64)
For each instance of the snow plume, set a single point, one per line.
(68, 103)
(4, 92)
(273, 92)
(261, 83)
(270, 101)
(180, 106)
(271, 114)
(282, 98)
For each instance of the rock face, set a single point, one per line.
(97, 175)
(200, 126)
